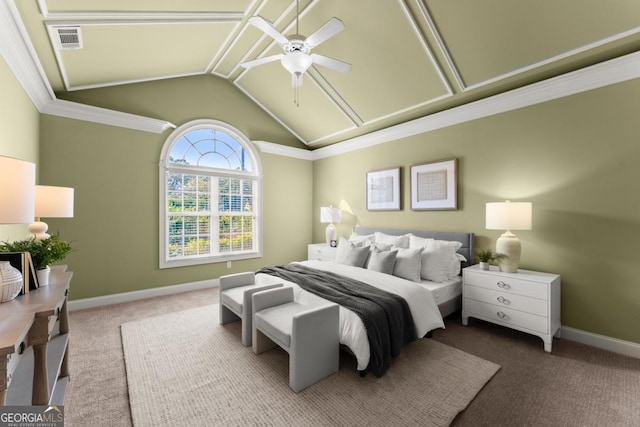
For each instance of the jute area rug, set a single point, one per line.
(184, 369)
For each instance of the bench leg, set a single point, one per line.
(226, 315)
(260, 342)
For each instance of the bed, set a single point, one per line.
(428, 301)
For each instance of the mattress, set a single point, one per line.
(445, 291)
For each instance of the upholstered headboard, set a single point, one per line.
(465, 238)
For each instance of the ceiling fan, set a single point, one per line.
(297, 57)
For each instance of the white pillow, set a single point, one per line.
(437, 260)
(408, 264)
(350, 254)
(419, 242)
(398, 241)
(382, 261)
(362, 240)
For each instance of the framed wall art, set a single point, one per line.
(434, 185)
(383, 190)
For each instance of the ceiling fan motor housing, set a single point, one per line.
(297, 44)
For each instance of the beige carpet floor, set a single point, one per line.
(184, 369)
(576, 385)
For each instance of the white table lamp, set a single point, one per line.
(50, 202)
(508, 216)
(330, 215)
(17, 191)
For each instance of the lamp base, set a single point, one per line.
(509, 244)
(330, 233)
(38, 231)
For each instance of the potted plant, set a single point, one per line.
(43, 253)
(485, 256)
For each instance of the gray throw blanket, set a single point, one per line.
(386, 316)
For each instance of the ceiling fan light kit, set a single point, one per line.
(296, 58)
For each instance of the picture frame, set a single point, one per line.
(383, 190)
(434, 185)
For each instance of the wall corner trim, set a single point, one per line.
(614, 345)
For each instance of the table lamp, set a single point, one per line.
(330, 215)
(50, 202)
(508, 216)
(17, 190)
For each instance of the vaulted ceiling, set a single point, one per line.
(409, 58)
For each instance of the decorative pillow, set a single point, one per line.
(408, 264)
(398, 241)
(362, 240)
(419, 242)
(437, 259)
(382, 247)
(350, 254)
(382, 261)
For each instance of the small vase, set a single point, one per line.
(43, 276)
(10, 281)
(484, 265)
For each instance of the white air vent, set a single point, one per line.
(68, 38)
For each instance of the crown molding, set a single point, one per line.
(593, 77)
(20, 56)
(18, 52)
(73, 110)
(284, 150)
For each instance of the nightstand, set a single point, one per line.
(528, 301)
(321, 252)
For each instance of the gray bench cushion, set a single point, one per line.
(276, 321)
(233, 297)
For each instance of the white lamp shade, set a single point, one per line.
(17, 191)
(53, 202)
(330, 215)
(508, 216)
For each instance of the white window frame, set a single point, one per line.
(255, 175)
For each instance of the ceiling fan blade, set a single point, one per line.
(333, 64)
(330, 29)
(267, 27)
(260, 61)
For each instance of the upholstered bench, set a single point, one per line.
(235, 300)
(309, 333)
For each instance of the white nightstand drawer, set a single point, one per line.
(510, 284)
(506, 316)
(508, 300)
(321, 252)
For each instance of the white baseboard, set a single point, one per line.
(81, 304)
(615, 345)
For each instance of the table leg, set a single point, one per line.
(40, 394)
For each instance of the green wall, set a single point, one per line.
(576, 159)
(115, 175)
(19, 133)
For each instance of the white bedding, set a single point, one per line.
(422, 304)
(444, 291)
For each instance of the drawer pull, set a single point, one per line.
(502, 285)
(503, 300)
(21, 348)
(501, 315)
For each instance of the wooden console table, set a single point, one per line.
(35, 326)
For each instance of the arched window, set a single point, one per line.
(210, 196)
